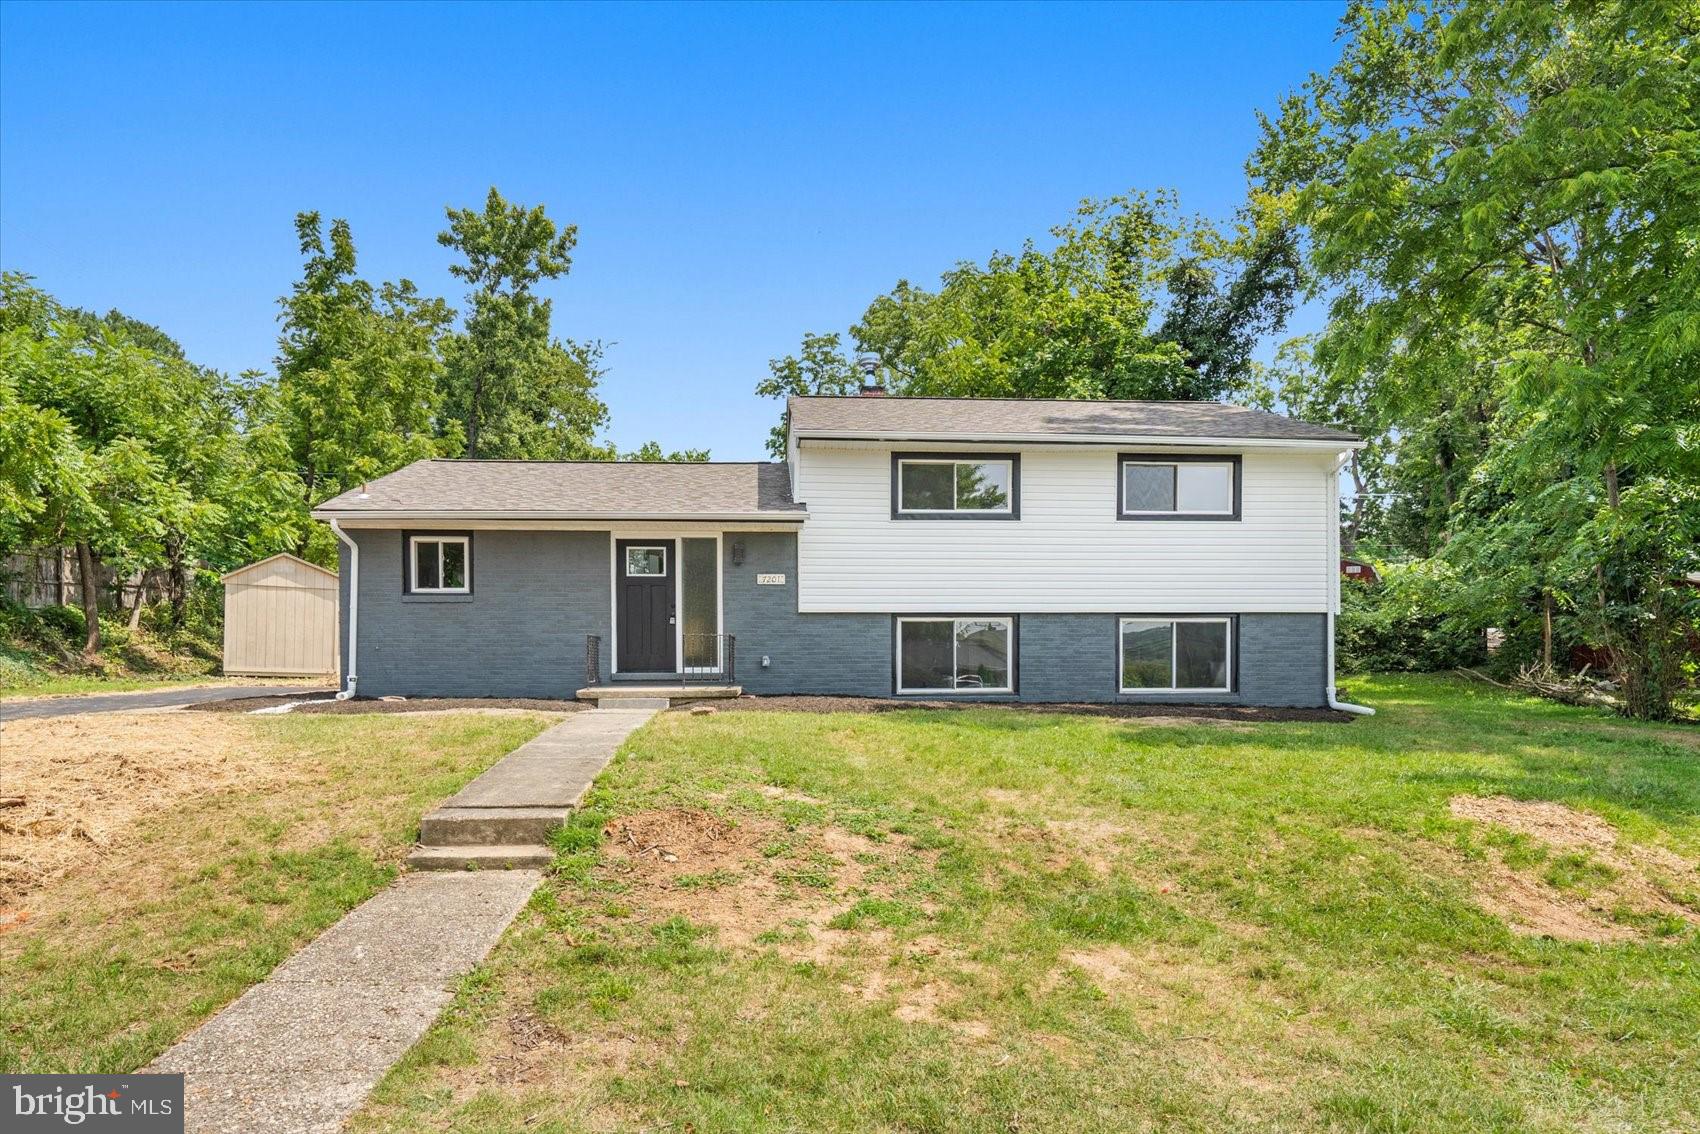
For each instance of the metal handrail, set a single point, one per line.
(709, 658)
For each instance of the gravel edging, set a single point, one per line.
(1251, 714)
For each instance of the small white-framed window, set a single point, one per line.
(955, 655)
(955, 486)
(1176, 655)
(439, 565)
(646, 560)
(1153, 488)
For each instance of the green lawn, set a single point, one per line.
(999, 921)
(186, 907)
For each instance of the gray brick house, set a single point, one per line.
(977, 549)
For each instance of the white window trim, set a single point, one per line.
(1009, 652)
(413, 543)
(904, 462)
(1177, 510)
(1227, 625)
(663, 548)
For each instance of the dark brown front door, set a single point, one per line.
(643, 577)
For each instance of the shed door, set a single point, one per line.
(644, 572)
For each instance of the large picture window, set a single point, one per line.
(955, 486)
(957, 655)
(1178, 488)
(439, 565)
(1176, 655)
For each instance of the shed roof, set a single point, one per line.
(993, 418)
(258, 563)
(703, 490)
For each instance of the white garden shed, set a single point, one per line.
(280, 619)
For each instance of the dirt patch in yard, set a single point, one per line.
(760, 885)
(1627, 885)
(1156, 714)
(331, 706)
(694, 839)
(87, 782)
(1551, 823)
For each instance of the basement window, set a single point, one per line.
(1176, 655)
(957, 655)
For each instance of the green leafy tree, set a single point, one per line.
(1503, 198)
(651, 451)
(115, 442)
(1133, 300)
(513, 390)
(819, 367)
(358, 373)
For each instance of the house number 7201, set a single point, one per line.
(770, 580)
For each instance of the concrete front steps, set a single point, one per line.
(502, 820)
(486, 838)
(496, 857)
(659, 695)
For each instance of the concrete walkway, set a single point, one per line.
(14, 709)
(300, 1051)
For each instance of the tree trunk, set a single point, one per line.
(1546, 629)
(179, 584)
(472, 418)
(91, 599)
(136, 606)
(1349, 537)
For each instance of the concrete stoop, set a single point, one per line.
(633, 695)
(502, 819)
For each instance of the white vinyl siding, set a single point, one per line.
(1069, 551)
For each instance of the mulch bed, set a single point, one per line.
(375, 705)
(1246, 713)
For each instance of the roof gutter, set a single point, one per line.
(334, 514)
(1077, 439)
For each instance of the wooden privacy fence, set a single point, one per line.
(280, 619)
(48, 576)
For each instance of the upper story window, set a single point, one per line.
(955, 486)
(1171, 487)
(439, 564)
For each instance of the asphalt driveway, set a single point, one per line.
(12, 710)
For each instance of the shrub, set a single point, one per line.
(1407, 622)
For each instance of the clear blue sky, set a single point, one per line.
(739, 174)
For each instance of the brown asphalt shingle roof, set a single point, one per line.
(573, 489)
(970, 418)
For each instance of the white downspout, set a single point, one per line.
(1334, 587)
(354, 610)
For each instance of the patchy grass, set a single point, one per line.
(995, 921)
(206, 850)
